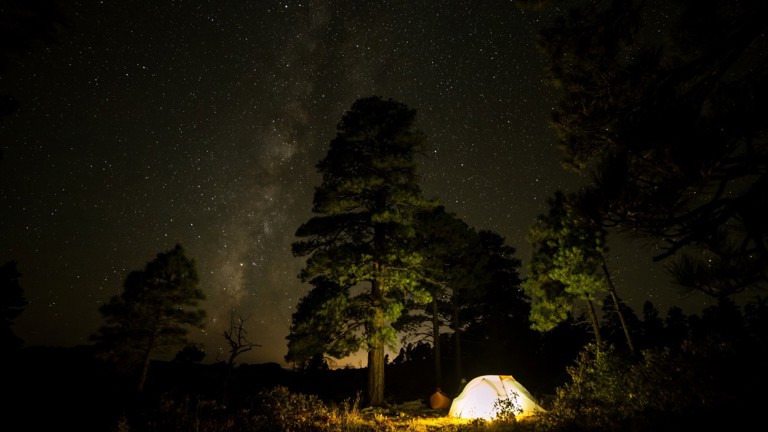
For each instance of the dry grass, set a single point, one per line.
(280, 410)
(415, 416)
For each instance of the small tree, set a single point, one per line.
(152, 313)
(568, 266)
(237, 337)
(563, 269)
(191, 353)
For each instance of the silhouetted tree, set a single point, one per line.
(720, 328)
(499, 334)
(420, 352)
(676, 327)
(363, 234)
(316, 363)
(475, 286)
(191, 353)
(653, 331)
(662, 103)
(12, 304)
(237, 338)
(616, 324)
(153, 312)
(450, 271)
(465, 268)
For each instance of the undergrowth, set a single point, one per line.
(279, 409)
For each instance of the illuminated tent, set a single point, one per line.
(480, 398)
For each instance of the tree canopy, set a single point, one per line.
(661, 102)
(451, 270)
(565, 267)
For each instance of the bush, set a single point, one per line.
(659, 390)
(281, 410)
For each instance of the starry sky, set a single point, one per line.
(150, 123)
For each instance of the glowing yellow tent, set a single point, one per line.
(480, 398)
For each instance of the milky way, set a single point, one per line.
(149, 123)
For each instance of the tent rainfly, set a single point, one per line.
(481, 396)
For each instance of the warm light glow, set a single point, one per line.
(481, 396)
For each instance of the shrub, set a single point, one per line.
(659, 389)
(507, 409)
(281, 410)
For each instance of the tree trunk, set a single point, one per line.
(376, 375)
(376, 351)
(436, 343)
(617, 305)
(145, 366)
(457, 338)
(595, 322)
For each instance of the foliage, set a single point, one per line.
(450, 252)
(326, 320)
(491, 294)
(661, 103)
(498, 334)
(693, 384)
(152, 313)
(566, 265)
(281, 410)
(191, 353)
(507, 409)
(452, 273)
(607, 390)
(473, 277)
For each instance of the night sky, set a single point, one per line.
(151, 123)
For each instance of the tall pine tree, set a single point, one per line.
(361, 241)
